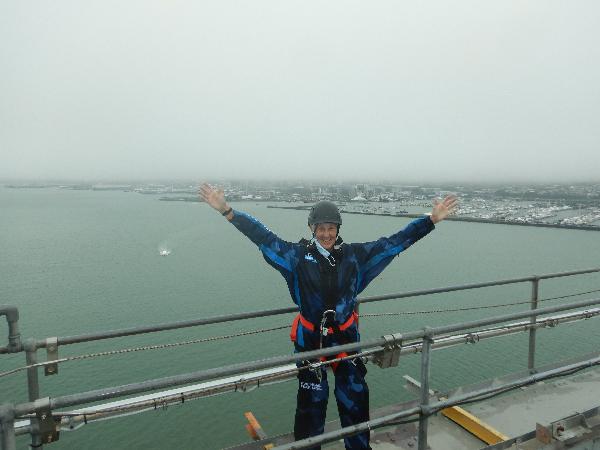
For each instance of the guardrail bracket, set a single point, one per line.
(390, 355)
(48, 424)
(51, 355)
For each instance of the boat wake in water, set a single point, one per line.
(163, 249)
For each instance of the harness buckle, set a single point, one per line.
(324, 329)
(315, 368)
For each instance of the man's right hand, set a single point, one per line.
(214, 197)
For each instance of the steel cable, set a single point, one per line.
(471, 308)
(139, 349)
(265, 330)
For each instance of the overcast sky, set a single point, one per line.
(402, 90)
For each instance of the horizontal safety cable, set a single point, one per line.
(471, 308)
(266, 330)
(139, 349)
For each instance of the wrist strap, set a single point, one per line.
(226, 213)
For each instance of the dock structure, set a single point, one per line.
(522, 223)
(550, 406)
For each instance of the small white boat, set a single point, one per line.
(164, 252)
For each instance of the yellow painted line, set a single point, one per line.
(473, 425)
(465, 419)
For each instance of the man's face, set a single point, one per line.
(326, 233)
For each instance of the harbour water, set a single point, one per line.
(82, 261)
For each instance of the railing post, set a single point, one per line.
(7, 427)
(534, 304)
(33, 388)
(12, 318)
(425, 364)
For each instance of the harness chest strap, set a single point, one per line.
(311, 327)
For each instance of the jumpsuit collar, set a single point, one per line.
(332, 256)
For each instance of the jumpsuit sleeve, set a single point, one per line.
(373, 257)
(278, 253)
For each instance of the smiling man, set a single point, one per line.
(324, 277)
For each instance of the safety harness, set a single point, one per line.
(330, 294)
(301, 320)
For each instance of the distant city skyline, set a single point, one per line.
(571, 206)
(425, 93)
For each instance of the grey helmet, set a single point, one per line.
(324, 212)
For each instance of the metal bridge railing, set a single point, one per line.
(42, 408)
(15, 344)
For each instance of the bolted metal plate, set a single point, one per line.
(51, 355)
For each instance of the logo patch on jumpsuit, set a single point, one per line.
(312, 386)
(310, 257)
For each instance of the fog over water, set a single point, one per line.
(418, 92)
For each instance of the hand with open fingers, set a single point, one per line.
(442, 209)
(214, 197)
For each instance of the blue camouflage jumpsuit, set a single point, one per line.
(357, 265)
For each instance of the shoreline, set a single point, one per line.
(458, 219)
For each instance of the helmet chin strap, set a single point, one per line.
(338, 242)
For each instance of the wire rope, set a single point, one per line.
(266, 330)
(143, 348)
(471, 308)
